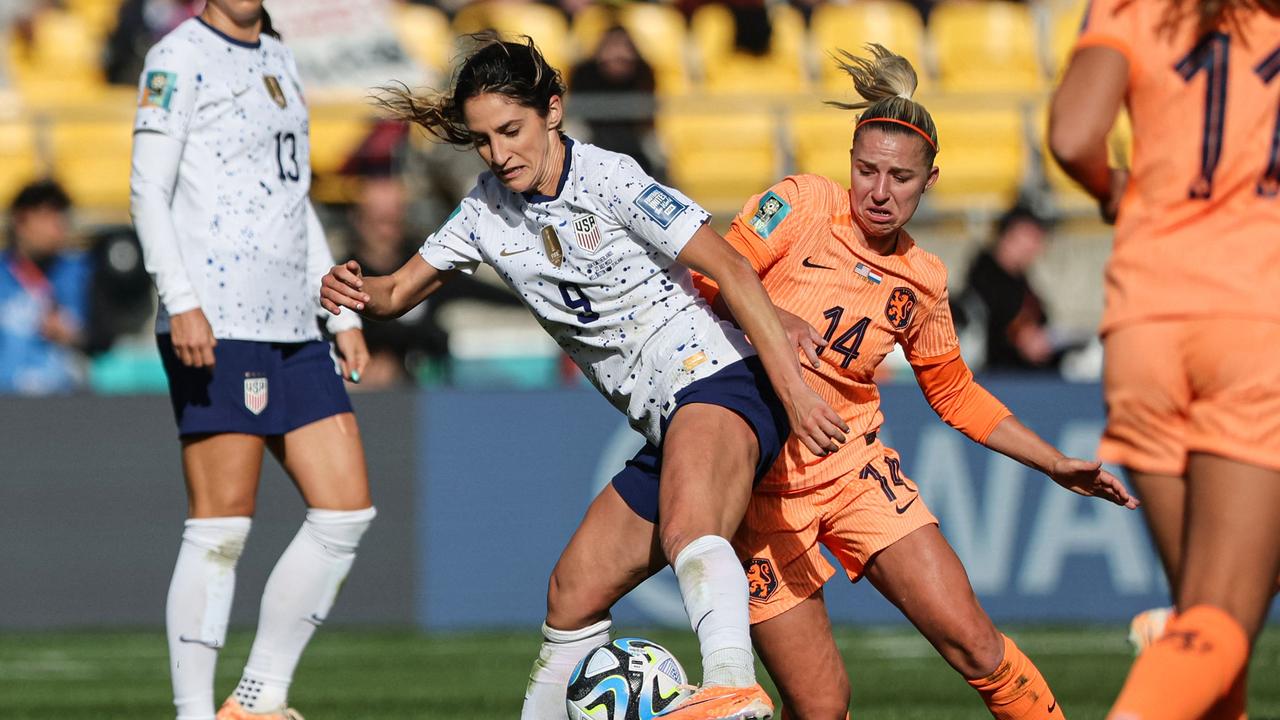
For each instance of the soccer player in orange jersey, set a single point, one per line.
(1191, 326)
(851, 283)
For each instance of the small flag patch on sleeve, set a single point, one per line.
(868, 274)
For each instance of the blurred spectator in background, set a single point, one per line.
(139, 25)
(999, 300)
(43, 296)
(120, 296)
(614, 91)
(380, 242)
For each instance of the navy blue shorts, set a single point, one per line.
(256, 388)
(742, 387)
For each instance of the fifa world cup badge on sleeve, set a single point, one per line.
(157, 91)
(769, 214)
(551, 242)
(659, 205)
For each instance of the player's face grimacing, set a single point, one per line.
(519, 145)
(888, 174)
(240, 12)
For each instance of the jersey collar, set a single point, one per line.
(238, 43)
(534, 197)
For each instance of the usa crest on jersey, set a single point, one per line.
(255, 394)
(586, 232)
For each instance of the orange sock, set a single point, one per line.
(1017, 690)
(1187, 671)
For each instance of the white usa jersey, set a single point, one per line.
(240, 204)
(596, 266)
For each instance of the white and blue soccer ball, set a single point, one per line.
(626, 679)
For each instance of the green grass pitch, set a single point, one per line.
(387, 674)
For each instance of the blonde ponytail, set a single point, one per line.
(886, 82)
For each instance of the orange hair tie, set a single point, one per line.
(903, 123)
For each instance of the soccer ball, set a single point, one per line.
(626, 679)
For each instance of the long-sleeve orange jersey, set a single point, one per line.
(814, 263)
(1198, 232)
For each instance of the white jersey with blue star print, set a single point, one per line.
(240, 210)
(596, 266)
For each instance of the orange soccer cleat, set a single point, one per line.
(233, 710)
(719, 702)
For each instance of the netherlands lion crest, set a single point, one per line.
(902, 302)
(762, 581)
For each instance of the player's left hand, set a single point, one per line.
(354, 352)
(1086, 477)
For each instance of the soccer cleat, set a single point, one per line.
(720, 702)
(1147, 627)
(233, 710)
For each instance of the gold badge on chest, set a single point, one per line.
(274, 89)
(551, 241)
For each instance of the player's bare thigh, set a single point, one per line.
(222, 474)
(612, 551)
(1164, 499)
(1231, 552)
(325, 459)
(924, 578)
(801, 656)
(709, 455)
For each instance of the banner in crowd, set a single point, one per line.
(506, 477)
(345, 44)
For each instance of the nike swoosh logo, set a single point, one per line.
(314, 620)
(198, 641)
(504, 253)
(903, 508)
(699, 623)
(809, 264)
(1053, 705)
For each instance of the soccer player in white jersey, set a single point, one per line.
(219, 198)
(599, 252)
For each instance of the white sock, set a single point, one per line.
(561, 651)
(298, 596)
(199, 603)
(714, 589)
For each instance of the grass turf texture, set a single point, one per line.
(384, 675)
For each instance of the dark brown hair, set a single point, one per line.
(1213, 14)
(515, 69)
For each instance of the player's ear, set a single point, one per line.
(555, 113)
(933, 177)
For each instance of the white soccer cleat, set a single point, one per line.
(1147, 627)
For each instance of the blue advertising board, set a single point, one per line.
(505, 477)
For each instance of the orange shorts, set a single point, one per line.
(855, 516)
(1207, 385)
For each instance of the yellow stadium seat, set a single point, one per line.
(659, 33)
(720, 158)
(60, 65)
(820, 139)
(896, 25)
(1063, 31)
(982, 154)
(985, 47)
(425, 33)
(725, 70)
(99, 15)
(543, 23)
(18, 162)
(91, 160)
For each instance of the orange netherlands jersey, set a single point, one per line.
(1198, 231)
(814, 263)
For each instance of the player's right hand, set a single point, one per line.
(192, 338)
(343, 287)
(817, 425)
(803, 335)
